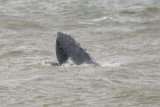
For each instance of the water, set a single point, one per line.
(121, 35)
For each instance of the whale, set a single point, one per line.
(67, 48)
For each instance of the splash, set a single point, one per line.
(110, 65)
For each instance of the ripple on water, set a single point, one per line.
(15, 53)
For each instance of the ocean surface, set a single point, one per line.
(123, 36)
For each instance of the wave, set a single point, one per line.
(18, 24)
(12, 53)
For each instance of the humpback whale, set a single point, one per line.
(68, 48)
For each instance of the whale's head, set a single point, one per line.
(67, 47)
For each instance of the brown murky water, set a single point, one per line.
(123, 36)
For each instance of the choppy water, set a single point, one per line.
(122, 35)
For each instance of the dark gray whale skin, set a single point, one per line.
(67, 47)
